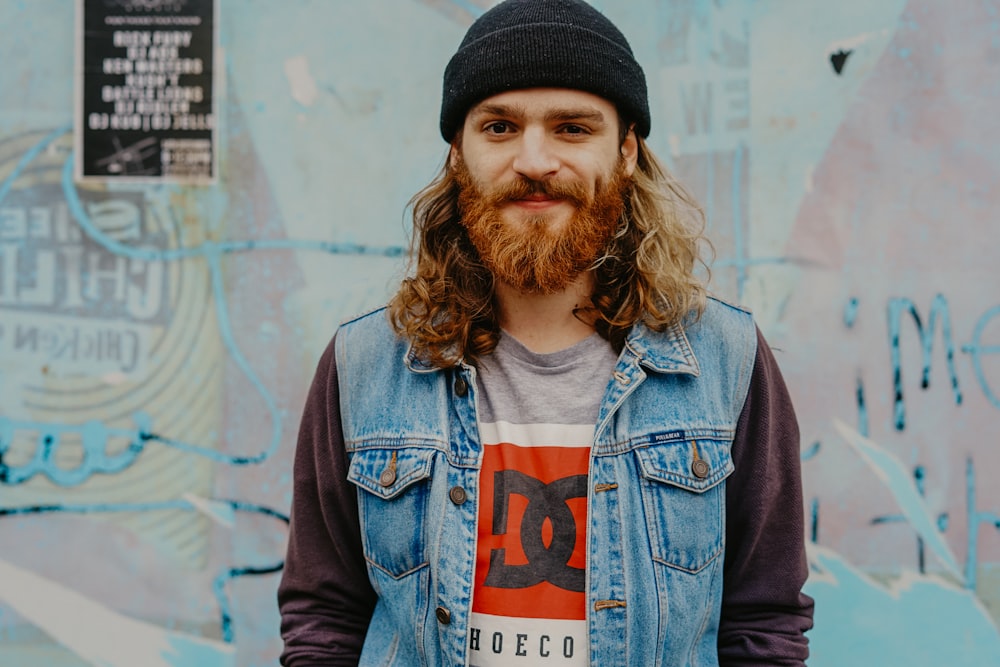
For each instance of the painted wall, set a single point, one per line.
(156, 342)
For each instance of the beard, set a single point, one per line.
(534, 255)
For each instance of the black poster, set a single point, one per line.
(145, 105)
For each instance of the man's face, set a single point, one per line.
(541, 173)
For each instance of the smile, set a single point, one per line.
(537, 202)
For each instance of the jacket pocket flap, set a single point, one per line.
(388, 472)
(694, 464)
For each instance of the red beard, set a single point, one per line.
(531, 256)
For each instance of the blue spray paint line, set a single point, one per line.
(232, 573)
(710, 191)
(939, 309)
(850, 317)
(739, 245)
(154, 255)
(29, 157)
(976, 518)
(225, 331)
(218, 584)
(103, 508)
(851, 312)
(219, 589)
(976, 350)
(240, 506)
(919, 479)
(208, 249)
(812, 452)
(94, 437)
(97, 508)
(814, 521)
(859, 393)
(746, 262)
(475, 10)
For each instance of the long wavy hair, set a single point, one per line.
(446, 308)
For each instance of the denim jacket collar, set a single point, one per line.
(414, 363)
(666, 351)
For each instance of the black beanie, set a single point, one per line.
(543, 43)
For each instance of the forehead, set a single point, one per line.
(546, 102)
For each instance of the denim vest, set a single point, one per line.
(656, 498)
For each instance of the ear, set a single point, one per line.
(630, 150)
(455, 151)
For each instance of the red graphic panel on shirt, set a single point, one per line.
(531, 551)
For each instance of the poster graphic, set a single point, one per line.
(145, 103)
(94, 321)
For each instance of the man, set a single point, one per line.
(552, 448)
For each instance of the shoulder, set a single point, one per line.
(368, 339)
(374, 318)
(721, 313)
(372, 326)
(723, 325)
(724, 340)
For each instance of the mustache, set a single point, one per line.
(522, 187)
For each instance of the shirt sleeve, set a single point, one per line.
(325, 598)
(764, 613)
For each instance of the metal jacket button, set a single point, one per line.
(699, 468)
(388, 476)
(457, 495)
(443, 615)
(461, 387)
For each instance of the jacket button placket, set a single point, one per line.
(606, 597)
(455, 568)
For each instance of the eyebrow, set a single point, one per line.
(510, 111)
(565, 114)
(581, 113)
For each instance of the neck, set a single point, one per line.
(546, 322)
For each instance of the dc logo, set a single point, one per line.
(545, 501)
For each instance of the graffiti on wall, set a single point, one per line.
(112, 310)
(156, 342)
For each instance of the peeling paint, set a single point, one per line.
(300, 81)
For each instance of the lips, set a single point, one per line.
(538, 201)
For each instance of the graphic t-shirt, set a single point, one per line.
(537, 414)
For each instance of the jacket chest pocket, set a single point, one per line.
(683, 497)
(393, 496)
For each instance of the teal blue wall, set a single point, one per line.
(156, 341)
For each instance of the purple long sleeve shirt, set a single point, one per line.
(326, 600)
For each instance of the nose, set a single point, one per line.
(535, 158)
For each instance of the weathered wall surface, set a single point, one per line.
(156, 342)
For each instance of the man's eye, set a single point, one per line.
(497, 127)
(574, 129)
